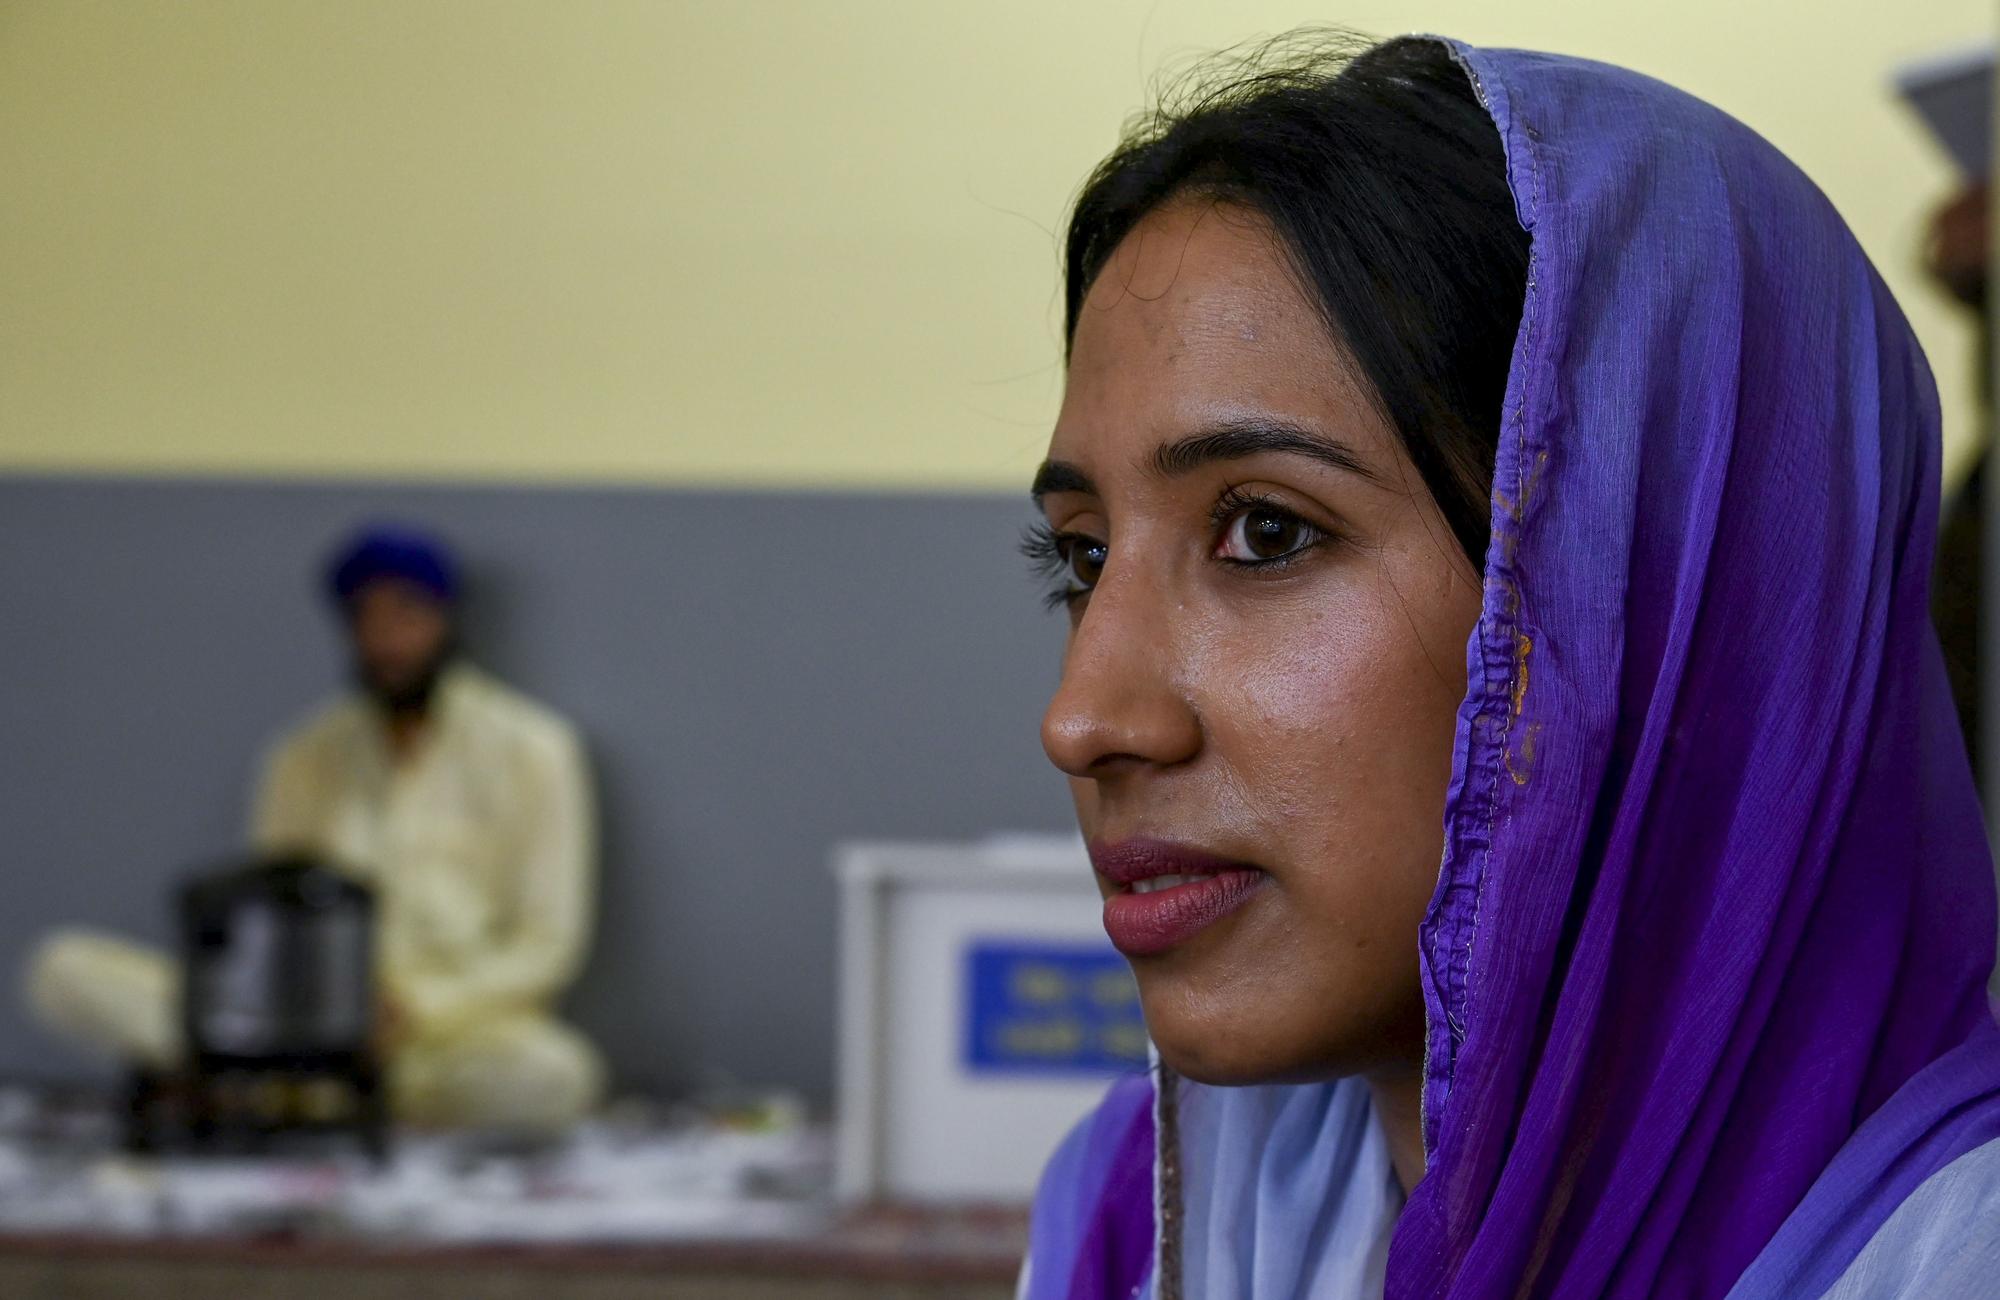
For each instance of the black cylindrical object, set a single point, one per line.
(279, 963)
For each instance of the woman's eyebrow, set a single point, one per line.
(1235, 439)
(1060, 476)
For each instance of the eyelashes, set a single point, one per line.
(1048, 553)
(1235, 501)
(1041, 546)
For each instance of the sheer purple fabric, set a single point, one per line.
(1706, 965)
(1716, 886)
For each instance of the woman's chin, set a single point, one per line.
(1231, 1065)
(1234, 1051)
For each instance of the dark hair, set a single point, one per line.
(1385, 181)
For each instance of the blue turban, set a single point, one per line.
(410, 554)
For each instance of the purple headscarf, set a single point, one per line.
(1716, 886)
(1706, 966)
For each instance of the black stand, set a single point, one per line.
(235, 1106)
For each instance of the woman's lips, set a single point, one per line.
(1166, 893)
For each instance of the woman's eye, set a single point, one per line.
(1086, 557)
(1259, 534)
(1072, 561)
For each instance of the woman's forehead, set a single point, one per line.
(1197, 311)
(1192, 269)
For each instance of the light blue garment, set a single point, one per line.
(1286, 1190)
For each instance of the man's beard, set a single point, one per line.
(412, 698)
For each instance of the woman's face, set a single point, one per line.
(1265, 659)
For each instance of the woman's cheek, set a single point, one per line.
(1299, 679)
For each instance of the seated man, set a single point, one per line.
(468, 808)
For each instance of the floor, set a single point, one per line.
(81, 1276)
(879, 1254)
(664, 1207)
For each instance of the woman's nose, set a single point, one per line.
(1119, 705)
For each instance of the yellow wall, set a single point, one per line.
(722, 242)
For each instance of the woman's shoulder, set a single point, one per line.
(1910, 1204)
(1943, 1241)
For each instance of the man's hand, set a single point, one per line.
(392, 1025)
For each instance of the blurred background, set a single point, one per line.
(720, 341)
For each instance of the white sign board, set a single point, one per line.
(982, 1013)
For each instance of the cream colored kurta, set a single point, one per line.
(480, 846)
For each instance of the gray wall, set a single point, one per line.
(758, 675)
